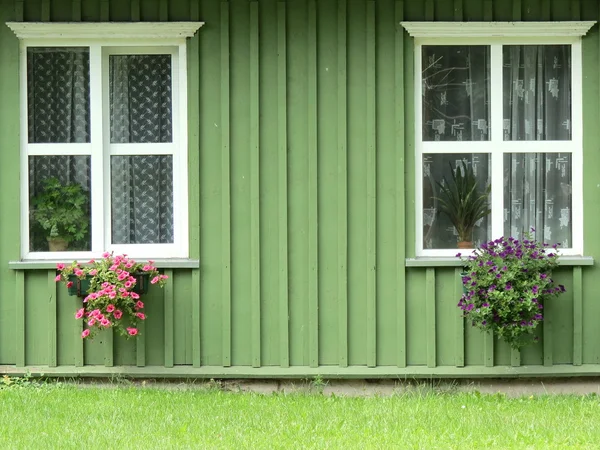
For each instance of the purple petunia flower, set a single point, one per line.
(508, 286)
(484, 322)
(458, 255)
(535, 289)
(543, 275)
(470, 306)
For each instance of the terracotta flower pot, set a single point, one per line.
(465, 244)
(57, 244)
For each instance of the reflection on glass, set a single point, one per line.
(140, 99)
(58, 95)
(455, 200)
(142, 199)
(456, 91)
(537, 92)
(537, 194)
(59, 203)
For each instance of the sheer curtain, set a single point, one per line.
(141, 113)
(537, 107)
(58, 113)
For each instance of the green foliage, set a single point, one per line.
(462, 201)
(62, 210)
(507, 282)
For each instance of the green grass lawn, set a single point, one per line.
(71, 416)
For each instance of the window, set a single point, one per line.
(104, 149)
(498, 142)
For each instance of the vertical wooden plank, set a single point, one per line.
(196, 332)
(140, 345)
(52, 320)
(547, 336)
(225, 187)
(169, 330)
(460, 322)
(104, 10)
(163, 10)
(575, 10)
(109, 347)
(135, 10)
(76, 11)
(19, 10)
(488, 349)
(255, 184)
(400, 201)
(282, 181)
(577, 316)
(430, 316)
(371, 167)
(429, 11)
(488, 11)
(515, 357)
(516, 10)
(342, 186)
(45, 16)
(546, 10)
(20, 317)
(313, 261)
(458, 10)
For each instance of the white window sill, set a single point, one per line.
(451, 261)
(165, 263)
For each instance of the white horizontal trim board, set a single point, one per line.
(104, 30)
(496, 29)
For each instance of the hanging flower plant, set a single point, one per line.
(113, 297)
(506, 283)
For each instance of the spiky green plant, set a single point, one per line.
(462, 201)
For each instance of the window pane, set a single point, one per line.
(537, 92)
(59, 203)
(140, 99)
(58, 95)
(537, 194)
(456, 90)
(142, 199)
(455, 200)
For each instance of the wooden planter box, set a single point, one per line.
(81, 287)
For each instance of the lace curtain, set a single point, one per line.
(141, 112)
(536, 107)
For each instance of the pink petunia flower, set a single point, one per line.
(118, 314)
(79, 314)
(78, 272)
(105, 322)
(69, 284)
(132, 331)
(139, 304)
(93, 272)
(105, 255)
(110, 308)
(147, 268)
(85, 333)
(134, 295)
(112, 295)
(128, 284)
(91, 322)
(57, 278)
(60, 266)
(155, 280)
(164, 277)
(141, 315)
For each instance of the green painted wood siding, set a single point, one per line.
(301, 175)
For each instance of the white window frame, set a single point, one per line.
(147, 38)
(495, 35)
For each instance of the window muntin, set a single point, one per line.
(131, 182)
(553, 207)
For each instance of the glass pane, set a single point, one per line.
(537, 194)
(142, 199)
(456, 91)
(455, 200)
(58, 95)
(537, 92)
(140, 99)
(59, 203)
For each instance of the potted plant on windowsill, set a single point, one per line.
(463, 202)
(506, 283)
(62, 212)
(113, 286)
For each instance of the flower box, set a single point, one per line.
(81, 286)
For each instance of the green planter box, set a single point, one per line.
(81, 287)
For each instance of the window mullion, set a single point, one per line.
(97, 140)
(497, 160)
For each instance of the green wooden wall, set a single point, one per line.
(302, 205)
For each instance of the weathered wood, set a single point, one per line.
(52, 319)
(577, 316)
(460, 322)
(20, 317)
(430, 317)
(169, 321)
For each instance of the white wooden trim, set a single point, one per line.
(104, 30)
(70, 149)
(181, 160)
(24, 108)
(496, 29)
(496, 161)
(97, 198)
(577, 155)
(418, 149)
(147, 149)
